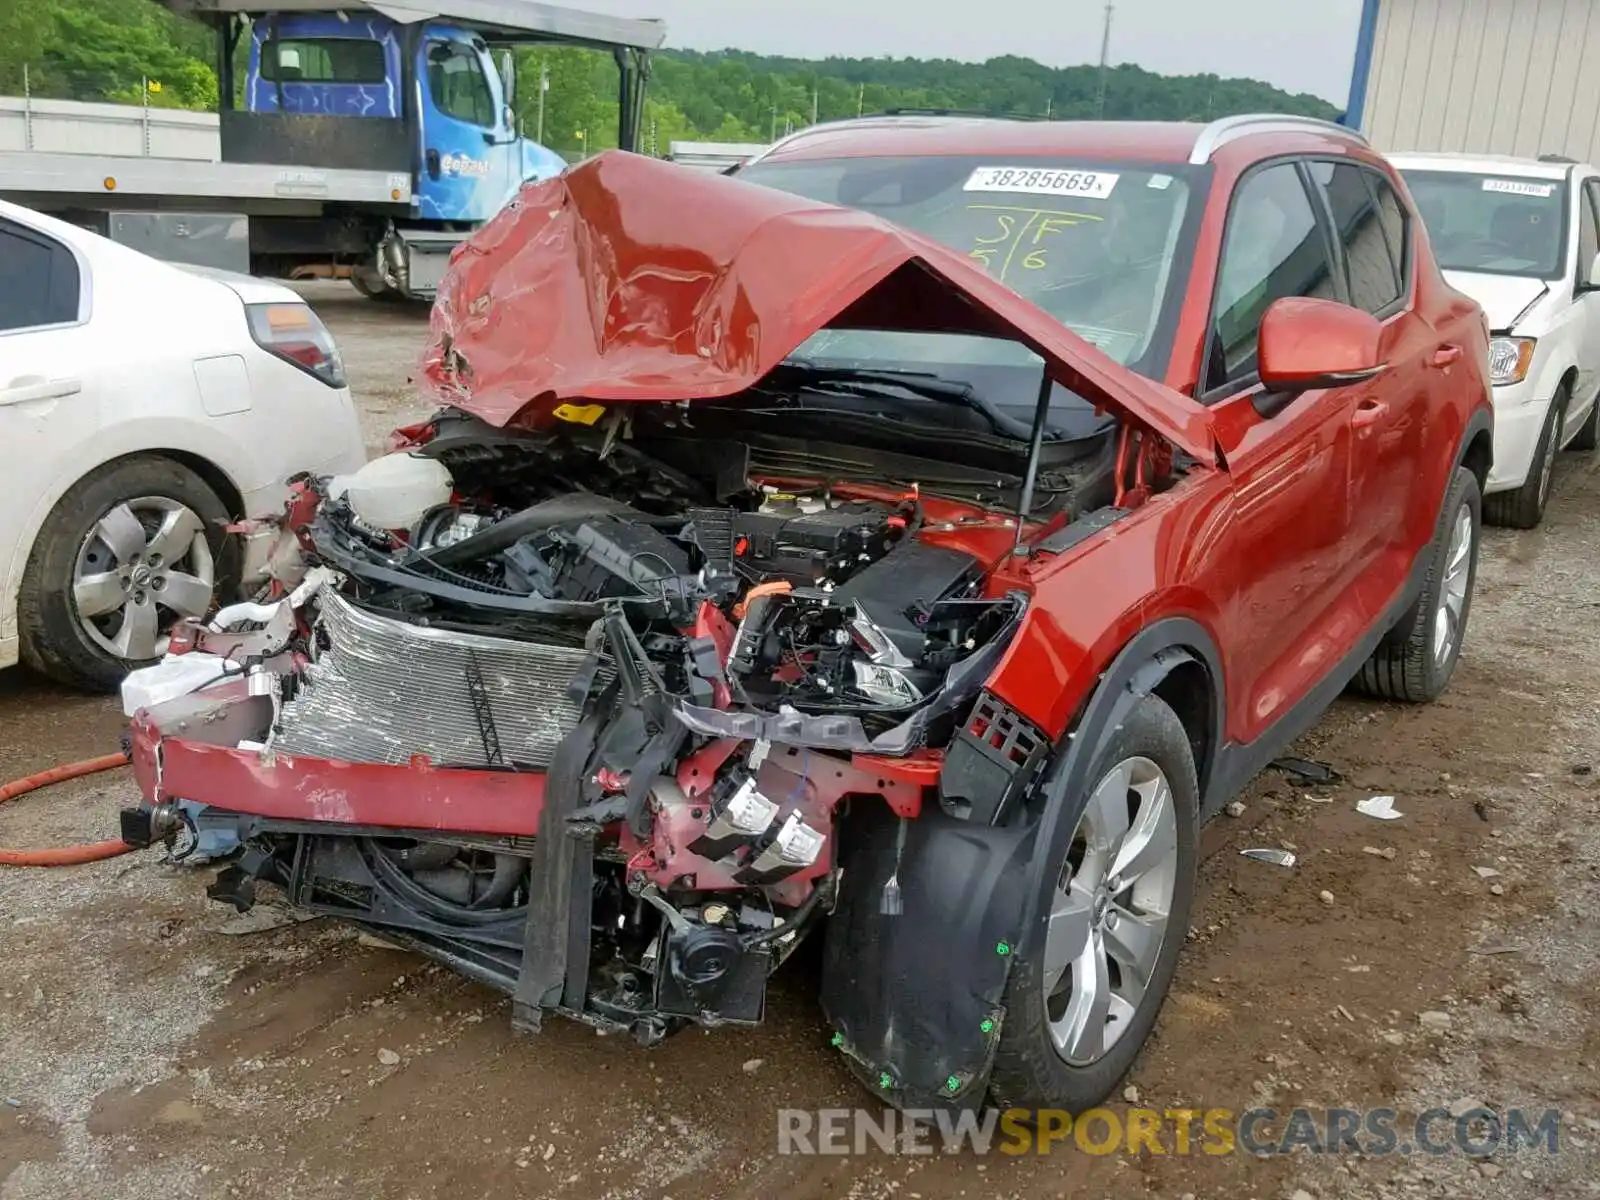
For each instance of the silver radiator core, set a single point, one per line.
(386, 690)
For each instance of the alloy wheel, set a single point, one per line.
(1108, 920)
(1452, 603)
(143, 565)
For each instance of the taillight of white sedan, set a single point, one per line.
(143, 408)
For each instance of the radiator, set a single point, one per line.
(386, 690)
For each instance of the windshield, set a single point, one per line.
(1096, 245)
(1491, 224)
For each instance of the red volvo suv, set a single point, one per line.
(911, 539)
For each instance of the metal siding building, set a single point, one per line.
(1479, 76)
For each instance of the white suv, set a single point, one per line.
(143, 408)
(1522, 238)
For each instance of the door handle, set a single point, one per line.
(31, 387)
(1445, 356)
(1369, 412)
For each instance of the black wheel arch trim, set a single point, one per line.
(1481, 421)
(1138, 668)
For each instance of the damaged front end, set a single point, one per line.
(592, 751)
(609, 704)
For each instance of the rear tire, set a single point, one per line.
(1524, 507)
(159, 581)
(1415, 663)
(1030, 1072)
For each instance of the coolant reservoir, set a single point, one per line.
(393, 492)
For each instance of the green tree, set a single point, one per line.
(23, 29)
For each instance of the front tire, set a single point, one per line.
(1524, 507)
(1588, 435)
(1416, 665)
(1080, 1008)
(131, 548)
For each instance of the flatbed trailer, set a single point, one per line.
(40, 180)
(372, 138)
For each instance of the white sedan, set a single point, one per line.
(143, 408)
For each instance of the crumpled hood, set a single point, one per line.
(1502, 297)
(632, 279)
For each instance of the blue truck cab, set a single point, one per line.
(419, 100)
(471, 156)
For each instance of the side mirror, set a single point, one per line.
(508, 76)
(1306, 344)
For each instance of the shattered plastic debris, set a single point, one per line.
(1307, 770)
(262, 919)
(1379, 807)
(1278, 858)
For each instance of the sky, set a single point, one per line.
(1299, 45)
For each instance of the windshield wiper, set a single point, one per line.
(926, 385)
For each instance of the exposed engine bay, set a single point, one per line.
(692, 669)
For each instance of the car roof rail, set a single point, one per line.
(1227, 129)
(959, 112)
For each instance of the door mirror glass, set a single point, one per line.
(508, 78)
(1307, 343)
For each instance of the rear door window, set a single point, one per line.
(1274, 247)
(1396, 225)
(1375, 274)
(39, 280)
(323, 60)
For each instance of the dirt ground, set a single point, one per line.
(154, 1045)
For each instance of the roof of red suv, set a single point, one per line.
(1150, 141)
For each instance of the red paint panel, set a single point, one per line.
(317, 789)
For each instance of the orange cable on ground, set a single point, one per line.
(63, 856)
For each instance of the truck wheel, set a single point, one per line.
(1416, 665)
(133, 547)
(1588, 435)
(1524, 507)
(1079, 1009)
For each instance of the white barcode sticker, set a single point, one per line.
(1094, 185)
(1519, 187)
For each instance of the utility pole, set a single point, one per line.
(815, 89)
(774, 136)
(544, 86)
(27, 109)
(1105, 60)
